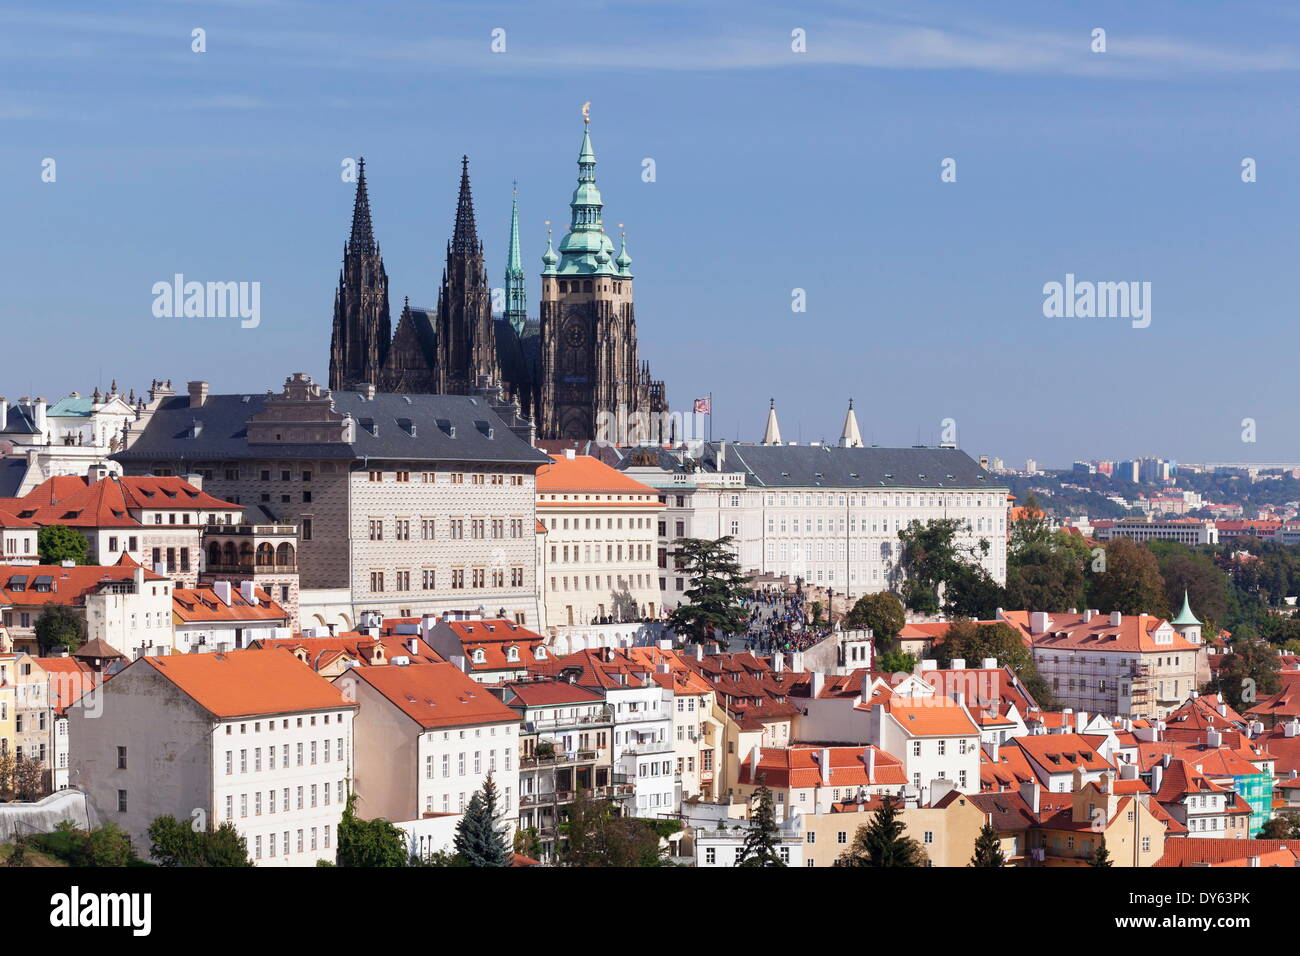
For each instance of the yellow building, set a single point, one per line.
(947, 833)
(1134, 833)
(8, 696)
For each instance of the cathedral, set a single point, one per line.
(571, 370)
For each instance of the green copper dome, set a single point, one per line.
(585, 249)
(549, 258)
(1185, 616)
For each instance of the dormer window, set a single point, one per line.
(512, 653)
(540, 653)
(480, 657)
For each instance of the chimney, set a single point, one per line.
(4, 413)
(38, 414)
(1029, 791)
(198, 394)
(1080, 720)
(722, 454)
(1116, 618)
(958, 663)
(754, 759)
(1039, 622)
(368, 390)
(1088, 615)
(570, 454)
(413, 645)
(826, 766)
(699, 652)
(1223, 710)
(989, 664)
(1290, 728)
(247, 593)
(1128, 771)
(994, 749)
(929, 664)
(222, 590)
(194, 480)
(869, 758)
(1214, 739)
(138, 577)
(817, 683)
(778, 662)
(1165, 759)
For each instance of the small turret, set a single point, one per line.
(772, 433)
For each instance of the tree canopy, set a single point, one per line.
(883, 841)
(480, 836)
(762, 841)
(56, 543)
(718, 588)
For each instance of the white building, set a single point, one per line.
(827, 514)
(599, 559)
(250, 737)
(427, 739)
(935, 737)
(223, 617)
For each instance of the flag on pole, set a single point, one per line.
(703, 406)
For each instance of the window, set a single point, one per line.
(121, 801)
(121, 758)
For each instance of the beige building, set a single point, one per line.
(599, 558)
(947, 833)
(1129, 665)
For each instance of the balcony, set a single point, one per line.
(559, 759)
(605, 719)
(553, 798)
(648, 747)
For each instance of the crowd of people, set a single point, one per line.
(780, 620)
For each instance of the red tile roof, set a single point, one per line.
(800, 766)
(248, 683)
(199, 605)
(110, 502)
(436, 695)
(1225, 851)
(68, 586)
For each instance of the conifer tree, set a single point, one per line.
(1101, 855)
(480, 838)
(988, 849)
(760, 848)
(883, 841)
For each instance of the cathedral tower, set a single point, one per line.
(359, 343)
(589, 367)
(516, 312)
(465, 338)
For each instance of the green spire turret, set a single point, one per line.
(585, 249)
(549, 258)
(516, 289)
(1185, 616)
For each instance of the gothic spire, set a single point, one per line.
(516, 286)
(465, 236)
(363, 235)
(850, 435)
(772, 433)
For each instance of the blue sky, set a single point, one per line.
(775, 170)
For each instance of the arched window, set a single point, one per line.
(284, 555)
(564, 286)
(265, 555)
(228, 555)
(214, 554)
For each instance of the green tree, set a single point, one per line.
(28, 778)
(933, 561)
(973, 641)
(883, 841)
(177, 843)
(369, 842)
(528, 842)
(59, 626)
(1248, 672)
(988, 848)
(1131, 582)
(593, 835)
(763, 838)
(1101, 855)
(1194, 573)
(56, 543)
(715, 599)
(1045, 575)
(480, 838)
(1285, 825)
(108, 845)
(883, 613)
(896, 662)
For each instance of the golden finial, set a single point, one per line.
(586, 112)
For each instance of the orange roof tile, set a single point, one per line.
(247, 683)
(436, 695)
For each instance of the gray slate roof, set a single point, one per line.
(224, 432)
(830, 466)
